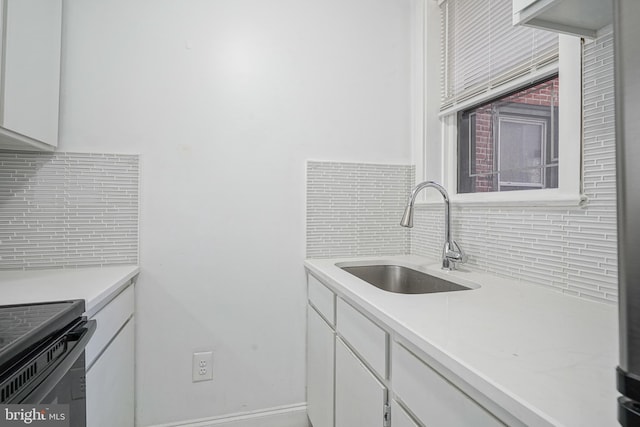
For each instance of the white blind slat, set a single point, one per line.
(482, 50)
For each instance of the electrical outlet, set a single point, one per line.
(202, 367)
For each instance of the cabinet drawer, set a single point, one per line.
(322, 299)
(110, 319)
(369, 340)
(433, 399)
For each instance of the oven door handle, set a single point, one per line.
(81, 336)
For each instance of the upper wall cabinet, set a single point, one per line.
(576, 17)
(30, 74)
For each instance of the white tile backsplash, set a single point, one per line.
(573, 250)
(67, 210)
(354, 209)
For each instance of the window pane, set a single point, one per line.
(521, 145)
(510, 143)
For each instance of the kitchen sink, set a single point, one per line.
(403, 280)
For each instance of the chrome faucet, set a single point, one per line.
(451, 252)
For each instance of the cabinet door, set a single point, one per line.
(360, 397)
(31, 74)
(110, 389)
(399, 417)
(320, 350)
(518, 5)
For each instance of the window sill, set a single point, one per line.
(525, 198)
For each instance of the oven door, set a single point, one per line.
(65, 385)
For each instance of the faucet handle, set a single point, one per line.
(455, 254)
(463, 255)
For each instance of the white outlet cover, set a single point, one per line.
(202, 366)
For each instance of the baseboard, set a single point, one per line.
(281, 416)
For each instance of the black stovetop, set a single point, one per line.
(25, 325)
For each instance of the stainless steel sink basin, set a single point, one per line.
(403, 280)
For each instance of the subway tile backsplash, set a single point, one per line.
(354, 209)
(67, 210)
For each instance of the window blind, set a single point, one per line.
(482, 50)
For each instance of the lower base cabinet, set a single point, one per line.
(110, 364)
(360, 397)
(110, 384)
(320, 351)
(342, 390)
(399, 417)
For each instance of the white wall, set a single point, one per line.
(225, 100)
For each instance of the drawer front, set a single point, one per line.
(322, 299)
(433, 399)
(110, 319)
(367, 338)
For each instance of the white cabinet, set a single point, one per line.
(110, 384)
(369, 340)
(360, 397)
(355, 380)
(399, 417)
(433, 399)
(322, 299)
(30, 74)
(320, 353)
(577, 17)
(342, 388)
(110, 364)
(320, 366)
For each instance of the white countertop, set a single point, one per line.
(547, 358)
(96, 285)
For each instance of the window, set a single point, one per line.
(494, 145)
(510, 143)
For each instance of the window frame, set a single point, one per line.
(436, 158)
(504, 111)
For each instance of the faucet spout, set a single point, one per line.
(451, 252)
